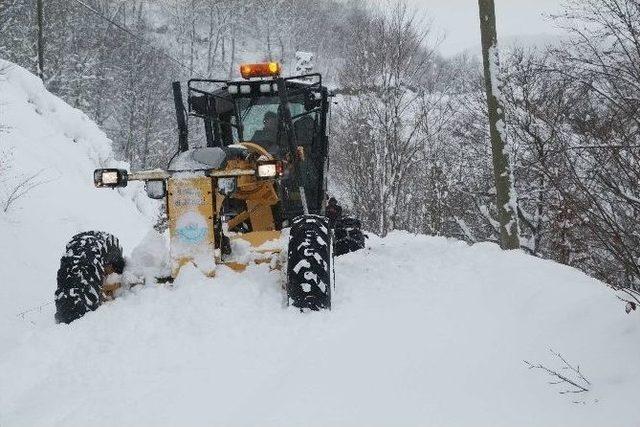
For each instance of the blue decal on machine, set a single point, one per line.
(192, 233)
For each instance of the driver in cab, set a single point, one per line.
(268, 135)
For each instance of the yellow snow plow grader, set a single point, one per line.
(260, 169)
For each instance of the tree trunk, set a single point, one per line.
(233, 54)
(505, 193)
(40, 14)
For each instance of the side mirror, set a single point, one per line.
(110, 178)
(155, 189)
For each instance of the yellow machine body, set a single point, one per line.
(190, 209)
(193, 206)
(223, 199)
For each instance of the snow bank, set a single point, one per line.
(58, 146)
(424, 331)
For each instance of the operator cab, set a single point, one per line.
(286, 116)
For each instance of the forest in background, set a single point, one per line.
(410, 147)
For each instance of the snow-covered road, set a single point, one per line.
(424, 331)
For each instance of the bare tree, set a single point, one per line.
(40, 14)
(602, 64)
(538, 105)
(18, 187)
(381, 130)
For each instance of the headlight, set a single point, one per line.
(110, 178)
(265, 88)
(267, 170)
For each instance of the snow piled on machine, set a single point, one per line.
(51, 150)
(424, 330)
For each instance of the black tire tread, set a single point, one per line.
(349, 236)
(82, 271)
(310, 263)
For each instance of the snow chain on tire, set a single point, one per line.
(88, 259)
(310, 263)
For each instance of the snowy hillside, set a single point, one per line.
(53, 148)
(424, 331)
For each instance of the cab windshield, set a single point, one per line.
(261, 123)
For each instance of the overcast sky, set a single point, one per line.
(459, 19)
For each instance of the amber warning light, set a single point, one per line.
(266, 69)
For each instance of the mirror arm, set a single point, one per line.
(149, 175)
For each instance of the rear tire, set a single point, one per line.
(348, 236)
(310, 263)
(89, 258)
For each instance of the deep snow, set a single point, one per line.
(422, 333)
(41, 135)
(424, 330)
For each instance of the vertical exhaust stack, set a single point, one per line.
(183, 131)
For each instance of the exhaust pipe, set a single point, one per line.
(183, 131)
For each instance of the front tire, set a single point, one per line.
(89, 258)
(310, 263)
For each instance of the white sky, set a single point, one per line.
(459, 19)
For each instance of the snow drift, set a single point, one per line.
(424, 330)
(58, 147)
